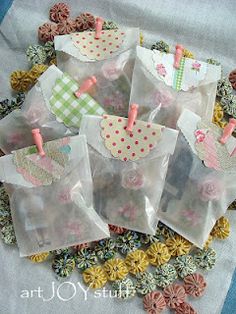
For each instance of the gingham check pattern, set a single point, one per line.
(179, 75)
(67, 107)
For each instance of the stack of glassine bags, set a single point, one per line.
(116, 134)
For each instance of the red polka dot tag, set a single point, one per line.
(129, 145)
(98, 49)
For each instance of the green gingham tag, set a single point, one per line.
(67, 107)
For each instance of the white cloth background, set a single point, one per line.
(205, 27)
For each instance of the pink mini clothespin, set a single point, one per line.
(228, 130)
(38, 141)
(178, 55)
(132, 115)
(98, 26)
(85, 86)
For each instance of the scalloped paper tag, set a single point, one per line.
(69, 109)
(214, 154)
(129, 145)
(43, 170)
(189, 75)
(98, 49)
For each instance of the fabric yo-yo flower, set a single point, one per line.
(95, 277)
(117, 229)
(36, 71)
(150, 239)
(47, 32)
(49, 49)
(232, 78)
(107, 25)
(63, 265)
(65, 251)
(105, 249)
(174, 295)
(177, 245)
(158, 254)
(154, 302)
(208, 242)
(188, 54)
(123, 289)
(165, 275)
(116, 269)
(195, 285)
(132, 179)
(85, 258)
(85, 21)
(136, 262)
(221, 229)
(185, 265)
(59, 12)
(20, 81)
(66, 27)
(205, 259)
(212, 61)
(224, 87)
(36, 54)
(185, 308)
(145, 283)
(80, 246)
(128, 242)
(166, 231)
(8, 234)
(161, 46)
(210, 189)
(39, 258)
(228, 103)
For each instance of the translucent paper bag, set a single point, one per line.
(110, 59)
(163, 91)
(51, 197)
(201, 179)
(128, 169)
(51, 106)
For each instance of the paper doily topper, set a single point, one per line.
(129, 145)
(109, 42)
(43, 170)
(214, 154)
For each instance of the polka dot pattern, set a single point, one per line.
(98, 49)
(129, 145)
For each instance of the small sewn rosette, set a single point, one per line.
(128, 169)
(51, 196)
(110, 58)
(165, 91)
(200, 184)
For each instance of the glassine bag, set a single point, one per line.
(201, 179)
(163, 91)
(51, 197)
(128, 169)
(50, 105)
(110, 59)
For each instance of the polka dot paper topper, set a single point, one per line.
(129, 145)
(98, 49)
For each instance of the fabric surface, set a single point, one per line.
(206, 28)
(21, 279)
(67, 107)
